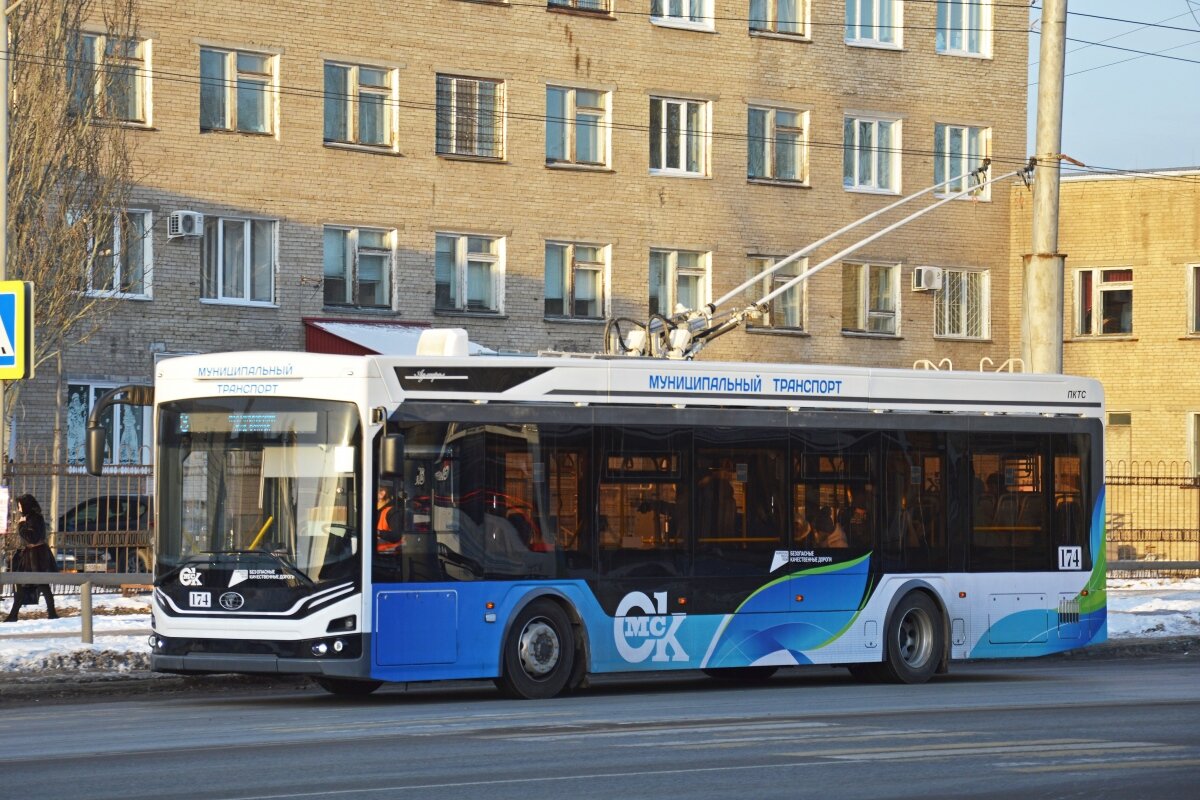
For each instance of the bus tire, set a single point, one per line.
(346, 687)
(741, 674)
(539, 652)
(915, 639)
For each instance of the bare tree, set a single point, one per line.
(75, 86)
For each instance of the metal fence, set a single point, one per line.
(95, 523)
(1153, 514)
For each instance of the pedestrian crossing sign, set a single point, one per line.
(16, 330)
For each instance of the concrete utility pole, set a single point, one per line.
(4, 72)
(1042, 309)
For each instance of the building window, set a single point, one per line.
(964, 27)
(1194, 315)
(678, 136)
(779, 16)
(470, 117)
(786, 311)
(575, 278)
(126, 427)
(777, 148)
(1108, 292)
(239, 260)
(576, 126)
(957, 152)
(870, 298)
(121, 255)
(602, 6)
(236, 91)
(469, 273)
(678, 281)
(358, 267)
(109, 77)
(691, 13)
(360, 105)
(871, 154)
(874, 22)
(961, 305)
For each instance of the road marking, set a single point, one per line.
(1091, 765)
(793, 739)
(976, 749)
(657, 731)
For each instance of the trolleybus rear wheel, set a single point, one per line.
(539, 652)
(915, 640)
(346, 687)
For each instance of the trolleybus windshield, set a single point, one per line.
(273, 476)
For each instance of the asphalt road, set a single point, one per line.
(1118, 727)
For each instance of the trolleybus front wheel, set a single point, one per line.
(539, 652)
(345, 687)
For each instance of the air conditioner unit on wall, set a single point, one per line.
(185, 223)
(927, 279)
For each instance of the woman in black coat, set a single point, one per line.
(34, 555)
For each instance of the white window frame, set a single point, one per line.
(975, 145)
(770, 144)
(76, 425)
(231, 82)
(694, 14)
(671, 278)
(460, 267)
(851, 148)
(1099, 288)
(97, 64)
(114, 258)
(799, 293)
(574, 265)
(571, 124)
(1193, 314)
(218, 295)
(352, 251)
(875, 36)
(764, 20)
(943, 306)
(863, 310)
(664, 104)
(948, 29)
(447, 119)
(352, 105)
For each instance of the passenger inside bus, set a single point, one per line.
(827, 532)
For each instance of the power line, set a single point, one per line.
(1116, 36)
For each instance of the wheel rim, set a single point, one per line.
(539, 648)
(915, 638)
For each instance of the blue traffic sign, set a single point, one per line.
(16, 330)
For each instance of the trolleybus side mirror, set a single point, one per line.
(96, 440)
(391, 455)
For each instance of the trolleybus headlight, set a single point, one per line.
(152, 640)
(338, 646)
(320, 649)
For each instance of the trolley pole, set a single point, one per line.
(1042, 318)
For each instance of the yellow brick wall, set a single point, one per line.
(1152, 225)
(294, 177)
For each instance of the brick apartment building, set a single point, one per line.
(1131, 314)
(527, 169)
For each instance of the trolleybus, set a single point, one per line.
(557, 517)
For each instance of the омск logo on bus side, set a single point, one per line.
(637, 637)
(232, 601)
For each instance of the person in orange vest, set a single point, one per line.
(387, 525)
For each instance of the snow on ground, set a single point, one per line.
(1137, 609)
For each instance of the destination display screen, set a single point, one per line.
(267, 422)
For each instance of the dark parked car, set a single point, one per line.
(109, 533)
